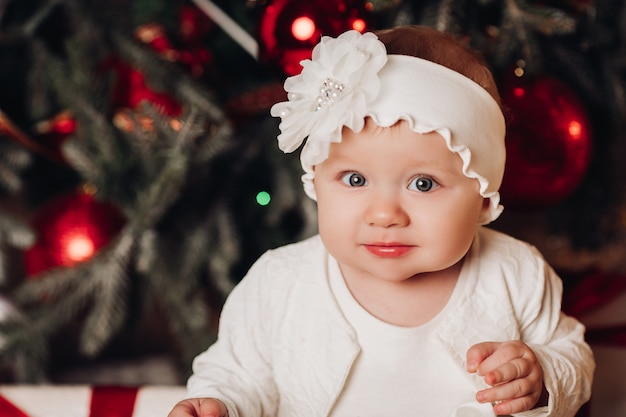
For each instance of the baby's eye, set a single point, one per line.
(423, 184)
(354, 179)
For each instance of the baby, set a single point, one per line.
(404, 304)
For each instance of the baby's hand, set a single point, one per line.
(199, 407)
(513, 372)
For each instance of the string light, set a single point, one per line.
(575, 129)
(263, 198)
(359, 25)
(303, 28)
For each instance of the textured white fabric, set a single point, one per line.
(284, 348)
(399, 367)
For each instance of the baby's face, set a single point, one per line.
(393, 203)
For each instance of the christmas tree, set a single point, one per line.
(140, 177)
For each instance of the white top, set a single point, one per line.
(285, 349)
(399, 366)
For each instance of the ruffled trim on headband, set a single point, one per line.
(464, 152)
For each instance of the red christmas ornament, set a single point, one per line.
(70, 229)
(548, 142)
(289, 29)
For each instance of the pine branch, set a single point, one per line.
(64, 293)
(39, 16)
(194, 251)
(30, 361)
(548, 21)
(9, 178)
(15, 232)
(167, 186)
(51, 287)
(521, 25)
(435, 14)
(226, 249)
(97, 130)
(217, 141)
(147, 251)
(30, 333)
(179, 295)
(26, 30)
(13, 161)
(109, 312)
(616, 83)
(24, 352)
(80, 158)
(515, 37)
(445, 13)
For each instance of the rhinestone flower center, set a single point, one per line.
(330, 91)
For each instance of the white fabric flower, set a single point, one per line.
(333, 90)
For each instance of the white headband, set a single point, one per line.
(351, 77)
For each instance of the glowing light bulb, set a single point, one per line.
(79, 248)
(263, 198)
(519, 92)
(303, 28)
(575, 129)
(358, 25)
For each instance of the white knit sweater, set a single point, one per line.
(284, 348)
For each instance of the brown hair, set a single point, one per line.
(441, 48)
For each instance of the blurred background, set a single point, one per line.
(140, 177)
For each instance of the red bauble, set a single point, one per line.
(548, 142)
(70, 229)
(289, 29)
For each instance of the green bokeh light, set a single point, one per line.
(263, 198)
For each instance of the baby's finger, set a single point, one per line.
(517, 368)
(506, 352)
(210, 407)
(519, 389)
(477, 353)
(517, 405)
(185, 408)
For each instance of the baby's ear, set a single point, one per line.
(484, 211)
